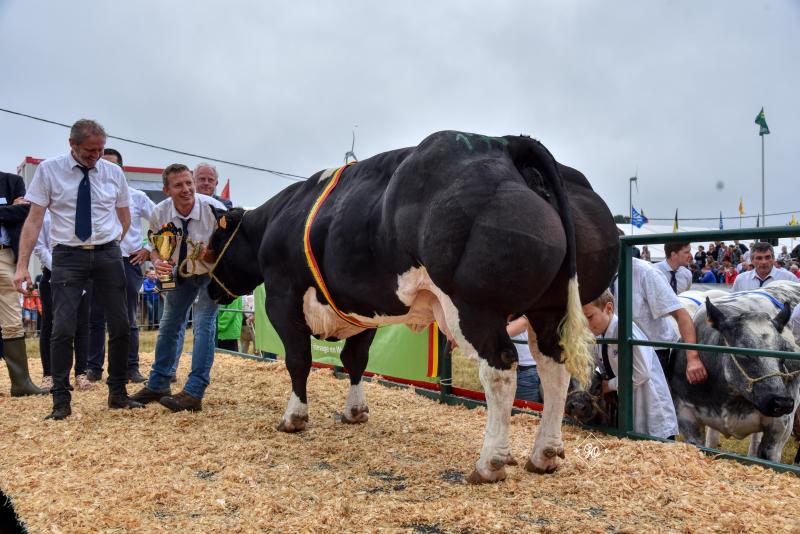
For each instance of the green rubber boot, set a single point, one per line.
(16, 358)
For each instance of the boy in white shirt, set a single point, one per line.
(653, 410)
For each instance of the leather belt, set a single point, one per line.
(91, 247)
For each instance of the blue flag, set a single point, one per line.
(637, 219)
(720, 220)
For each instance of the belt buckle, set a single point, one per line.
(88, 247)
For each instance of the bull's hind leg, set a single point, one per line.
(287, 317)
(500, 386)
(498, 373)
(354, 357)
(548, 446)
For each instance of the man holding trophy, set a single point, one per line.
(180, 227)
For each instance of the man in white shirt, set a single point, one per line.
(764, 273)
(191, 213)
(206, 179)
(674, 267)
(133, 255)
(88, 202)
(653, 302)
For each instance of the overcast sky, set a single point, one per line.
(668, 88)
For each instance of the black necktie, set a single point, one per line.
(606, 364)
(182, 251)
(762, 282)
(83, 208)
(673, 282)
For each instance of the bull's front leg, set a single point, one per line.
(295, 417)
(548, 446)
(689, 424)
(287, 318)
(713, 438)
(355, 356)
(500, 387)
(774, 437)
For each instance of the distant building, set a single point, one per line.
(145, 179)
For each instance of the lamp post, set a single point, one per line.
(630, 198)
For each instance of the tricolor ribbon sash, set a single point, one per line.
(311, 261)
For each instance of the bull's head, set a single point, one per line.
(745, 374)
(234, 255)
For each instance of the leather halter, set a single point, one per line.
(183, 266)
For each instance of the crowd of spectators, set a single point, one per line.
(722, 264)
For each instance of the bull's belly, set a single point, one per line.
(426, 304)
(731, 423)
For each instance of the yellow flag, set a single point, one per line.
(793, 222)
(741, 207)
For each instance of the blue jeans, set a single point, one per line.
(181, 335)
(176, 306)
(528, 384)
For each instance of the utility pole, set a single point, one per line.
(630, 198)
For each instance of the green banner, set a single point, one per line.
(396, 351)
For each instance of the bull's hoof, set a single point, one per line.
(495, 471)
(356, 416)
(487, 476)
(499, 463)
(552, 452)
(295, 424)
(548, 463)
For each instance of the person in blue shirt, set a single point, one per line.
(707, 276)
(151, 296)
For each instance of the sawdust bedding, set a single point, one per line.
(227, 469)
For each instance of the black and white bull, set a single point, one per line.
(743, 394)
(463, 229)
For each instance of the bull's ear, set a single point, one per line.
(221, 216)
(782, 318)
(217, 212)
(714, 315)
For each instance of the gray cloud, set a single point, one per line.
(670, 88)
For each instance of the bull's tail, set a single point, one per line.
(575, 338)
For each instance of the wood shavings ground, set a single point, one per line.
(227, 469)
